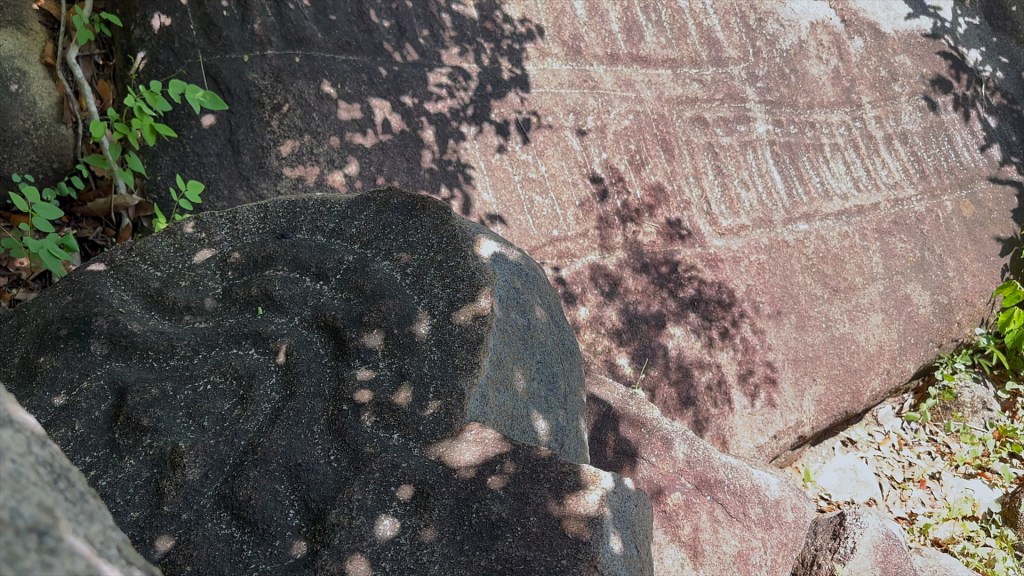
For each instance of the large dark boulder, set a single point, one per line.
(51, 521)
(294, 387)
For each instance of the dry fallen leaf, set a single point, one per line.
(101, 207)
(106, 95)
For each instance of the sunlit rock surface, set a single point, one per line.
(764, 214)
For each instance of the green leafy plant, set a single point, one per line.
(1010, 322)
(50, 250)
(185, 197)
(118, 138)
(86, 28)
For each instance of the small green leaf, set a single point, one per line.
(193, 191)
(112, 19)
(159, 220)
(49, 194)
(52, 263)
(97, 161)
(18, 252)
(19, 202)
(16, 178)
(31, 193)
(97, 128)
(133, 162)
(9, 243)
(179, 181)
(30, 178)
(128, 176)
(70, 243)
(24, 227)
(42, 224)
(185, 204)
(165, 130)
(129, 101)
(77, 183)
(57, 251)
(175, 88)
(212, 101)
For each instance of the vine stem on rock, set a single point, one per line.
(90, 101)
(64, 81)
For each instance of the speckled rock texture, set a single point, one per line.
(290, 387)
(51, 521)
(32, 138)
(856, 541)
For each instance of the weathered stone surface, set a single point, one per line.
(931, 562)
(32, 138)
(714, 515)
(288, 386)
(975, 403)
(1013, 514)
(765, 213)
(855, 541)
(51, 521)
(847, 478)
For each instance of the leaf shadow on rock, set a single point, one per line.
(983, 84)
(660, 322)
(344, 96)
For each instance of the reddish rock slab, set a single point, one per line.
(714, 515)
(765, 215)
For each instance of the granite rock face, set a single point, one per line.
(330, 385)
(52, 521)
(764, 213)
(714, 514)
(856, 541)
(32, 138)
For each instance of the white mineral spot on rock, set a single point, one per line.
(357, 565)
(363, 396)
(96, 267)
(308, 173)
(163, 544)
(209, 303)
(207, 120)
(386, 527)
(540, 426)
(615, 542)
(326, 88)
(405, 492)
(203, 255)
(60, 399)
(485, 247)
(13, 87)
(374, 340)
(422, 325)
(288, 147)
(518, 380)
(189, 227)
(497, 481)
(158, 21)
(364, 374)
(479, 307)
(348, 111)
(336, 180)
(432, 407)
(299, 548)
(403, 396)
(334, 142)
(282, 354)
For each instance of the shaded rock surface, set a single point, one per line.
(288, 387)
(856, 541)
(52, 521)
(1013, 514)
(726, 193)
(714, 515)
(32, 138)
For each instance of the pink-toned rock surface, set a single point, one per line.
(765, 214)
(714, 515)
